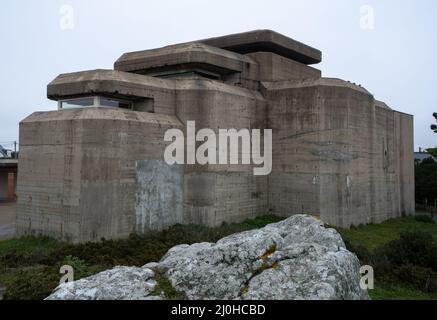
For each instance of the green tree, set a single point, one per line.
(432, 151)
(426, 181)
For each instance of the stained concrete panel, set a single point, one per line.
(159, 195)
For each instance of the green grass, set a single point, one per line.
(375, 235)
(399, 293)
(29, 245)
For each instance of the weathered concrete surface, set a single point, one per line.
(183, 57)
(337, 152)
(273, 67)
(221, 193)
(295, 259)
(7, 220)
(159, 201)
(77, 170)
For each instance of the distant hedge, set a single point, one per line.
(426, 181)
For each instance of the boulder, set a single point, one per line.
(297, 258)
(119, 283)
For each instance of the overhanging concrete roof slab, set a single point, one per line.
(105, 82)
(267, 41)
(188, 56)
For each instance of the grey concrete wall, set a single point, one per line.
(273, 67)
(221, 193)
(294, 183)
(338, 155)
(345, 161)
(77, 173)
(404, 136)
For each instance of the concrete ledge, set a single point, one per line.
(103, 114)
(382, 105)
(328, 82)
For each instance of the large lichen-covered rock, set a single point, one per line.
(297, 258)
(294, 259)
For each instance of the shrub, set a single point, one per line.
(426, 181)
(423, 279)
(415, 248)
(424, 218)
(32, 283)
(363, 254)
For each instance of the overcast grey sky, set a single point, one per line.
(396, 60)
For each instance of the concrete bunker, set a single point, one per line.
(94, 168)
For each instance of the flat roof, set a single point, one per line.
(266, 41)
(8, 163)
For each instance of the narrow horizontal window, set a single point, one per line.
(77, 103)
(115, 103)
(96, 101)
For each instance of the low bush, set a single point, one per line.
(423, 279)
(424, 218)
(415, 248)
